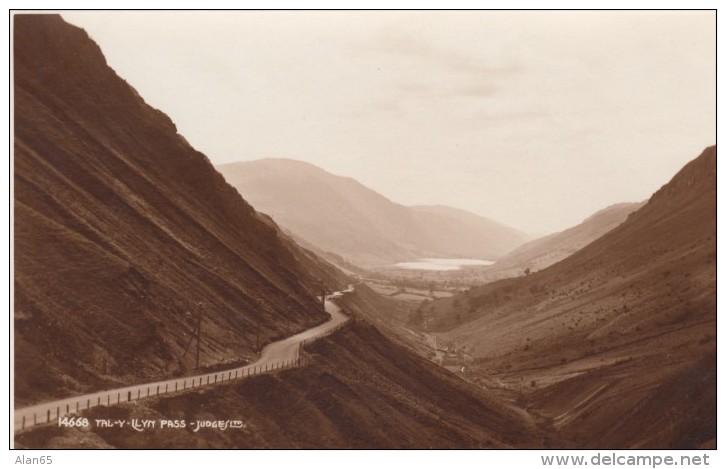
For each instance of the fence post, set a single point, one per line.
(157, 390)
(147, 391)
(88, 404)
(35, 421)
(48, 417)
(235, 374)
(138, 394)
(118, 398)
(185, 384)
(207, 379)
(167, 388)
(76, 406)
(129, 397)
(23, 422)
(108, 399)
(176, 385)
(57, 411)
(99, 401)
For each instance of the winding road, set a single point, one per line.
(277, 355)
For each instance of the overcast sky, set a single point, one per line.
(533, 119)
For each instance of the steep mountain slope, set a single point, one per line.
(610, 342)
(458, 233)
(360, 391)
(342, 216)
(543, 252)
(122, 230)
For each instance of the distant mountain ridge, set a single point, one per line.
(340, 215)
(548, 250)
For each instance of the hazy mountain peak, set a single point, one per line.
(342, 216)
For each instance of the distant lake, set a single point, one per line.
(435, 263)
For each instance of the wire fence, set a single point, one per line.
(327, 333)
(47, 413)
(53, 412)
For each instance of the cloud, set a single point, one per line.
(418, 75)
(398, 99)
(390, 107)
(511, 116)
(415, 88)
(398, 43)
(476, 90)
(446, 91)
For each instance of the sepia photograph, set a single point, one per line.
(364, 229)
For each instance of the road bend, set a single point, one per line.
(275, 356)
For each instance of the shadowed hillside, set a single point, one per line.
(342, 216)
(360, 391)
(122, 229)
(608, 343)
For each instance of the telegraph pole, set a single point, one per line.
(259, 312)
(196, 334)
(199, 331)
(257, 348)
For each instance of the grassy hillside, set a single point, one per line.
(621, 326)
